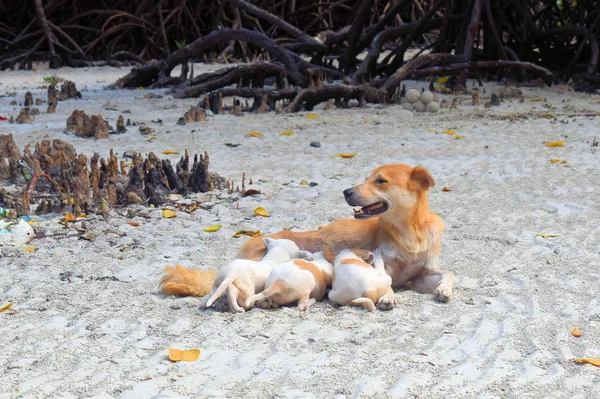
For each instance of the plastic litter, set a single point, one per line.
(15, 233)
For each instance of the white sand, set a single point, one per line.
(505, 334)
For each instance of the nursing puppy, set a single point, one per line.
(242, 278)
(295, 280)
(359, 279)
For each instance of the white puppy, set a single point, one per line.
(356, 282)
(296, 280)
(242, 278)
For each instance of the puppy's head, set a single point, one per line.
(394, 187)
(288, 246)
(360, 254)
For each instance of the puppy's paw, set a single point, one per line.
(387, 302)
(443, 295)
(221, 305)
(266, 303)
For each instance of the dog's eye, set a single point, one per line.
(380, 181)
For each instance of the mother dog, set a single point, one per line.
(393, 216)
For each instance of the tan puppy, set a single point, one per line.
(356, 282)
(395, 217)
(296, 280)
(242, 277)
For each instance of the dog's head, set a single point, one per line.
(394, 188)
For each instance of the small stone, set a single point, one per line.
(420, 107)
(495, 100)
(426, 97)
(408, 106)
(433, 107)
(180, 121)
(313, 184)
(412, 96)
(146, 130)
(315, 144)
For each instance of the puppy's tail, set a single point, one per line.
(182, 281)
(221, 289)
(365, 303)
(268, 292)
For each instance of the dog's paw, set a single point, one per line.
(443, 295)
(387, 302)
(266, 303)
(221, 305)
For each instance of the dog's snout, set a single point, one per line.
(347, 193)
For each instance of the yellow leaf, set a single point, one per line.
(556, 160)
(446, 189)
(167, 214)
(248, 233)
(586, 360)
(260, 211)
(255, 134)
(29, 249)
(71, 201)
(547, 116)
(37, 131)
(537, 99)
(287, 133)
(312, 116)
(546, 235)
(126, 164)
(576, 333)
(555, 143)
(140, 88)
(7, 306)
(457, 137)
(212, 229)
(69, 217)
(345, 155)
(449, 132)
(177, 355)
(151, 139)
(170, 152)
(431, 131)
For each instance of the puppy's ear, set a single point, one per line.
(368, 257)
(305, 255)
(268, 241)
(422, 178)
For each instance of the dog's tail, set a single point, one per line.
(268, 292)
(221, 289)
(366, 303)
(182, 281)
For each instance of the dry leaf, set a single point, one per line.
(212, 229)
(71, 201)
(248, 233)
(555, 160)
(260, 211)
(446, 188)
(555, 143)
(537, 99)
(449, 132)
(167, 214)
(431, 131)
(127, 164)
(251, 191)
(255, 134)
(287, 133)
(29, 249)
(170, 152)
(547, 116)
(457, 137)
(367, 121)
(345, 155)
(575, 332)
(151, 139)
(134, 224)
(586, 360)
(177, 355)
(7, 306)
(312, 116)
(69, 217)
(546, 235)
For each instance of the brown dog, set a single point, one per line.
(395, 217)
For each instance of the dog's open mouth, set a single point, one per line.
(370, 210)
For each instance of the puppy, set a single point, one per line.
(296, 280)
(356, 282)
(242, 278)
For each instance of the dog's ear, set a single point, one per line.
(305, 255)
(268, 241)
(422, 178)
(368, 257)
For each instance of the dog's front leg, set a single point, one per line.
(438, 282)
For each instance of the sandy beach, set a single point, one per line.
(88, 319)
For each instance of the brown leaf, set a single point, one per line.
(446, 189)
(249, 233)
(134, 224)
(252, 191)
